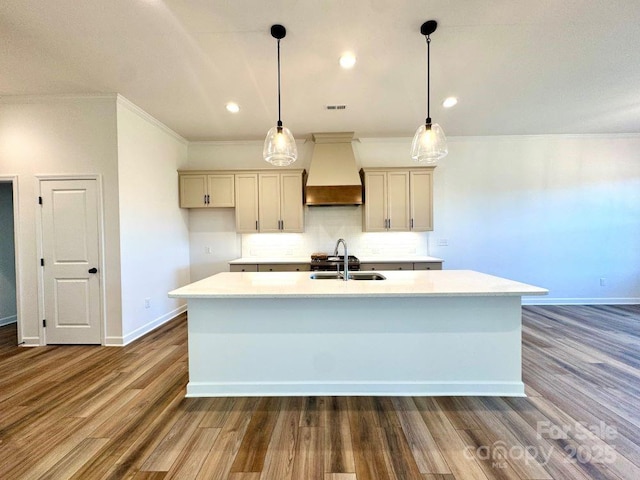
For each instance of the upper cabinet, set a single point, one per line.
(247, 202)
(204, 190)
(421, 199)
(398, 199)
(269, 201)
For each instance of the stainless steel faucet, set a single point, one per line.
(346, 257)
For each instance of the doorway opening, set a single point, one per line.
(8, 255)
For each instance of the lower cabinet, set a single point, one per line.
(284, 267)
(427, 266)
(386, 266)
(402, 266)
(252, 267)
(270, 267)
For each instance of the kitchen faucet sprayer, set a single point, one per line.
(346, 257)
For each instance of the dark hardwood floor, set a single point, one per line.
(93, 412)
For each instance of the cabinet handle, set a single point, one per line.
(256, 224)
(412, 223)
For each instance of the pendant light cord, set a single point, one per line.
(279, 110)
(428, 79)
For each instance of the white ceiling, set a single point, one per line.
(517, 66)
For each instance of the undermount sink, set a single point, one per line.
(366, 276)
(352, 276)
(326, 276)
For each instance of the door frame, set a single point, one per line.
(13, 179)
(101, 261)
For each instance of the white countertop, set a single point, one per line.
(400, 259)
(271, 260)
(434, 283)
(283, 260)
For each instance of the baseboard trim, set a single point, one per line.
(143, 330)
(412, 389)
(580, 301)
(8, 320)
(30, 342)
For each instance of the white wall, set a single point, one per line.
(60, 135)
(8, 306)
(560, 212)
(154, 237)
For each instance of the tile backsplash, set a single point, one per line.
(324, 226)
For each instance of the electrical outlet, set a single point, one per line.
(147, 303)
(603, 282)
(443, 242)
(207, 250)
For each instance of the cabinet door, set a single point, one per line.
(421, 201)
(375, 205)
(291, 208)
(386, 266)
(246, 202)
(427, 266)
(221, 190)
(399, 219)
(193, 191)
(269, 202)
(284, 267)
(245, 267)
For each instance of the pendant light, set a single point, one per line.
(279, 146)
(429, 143)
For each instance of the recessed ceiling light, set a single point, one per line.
(232, 107)
(347, 60)
(449, 102)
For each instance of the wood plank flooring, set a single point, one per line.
(85, 412)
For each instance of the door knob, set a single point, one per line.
(93, 270)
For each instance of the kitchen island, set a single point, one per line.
(446, 332)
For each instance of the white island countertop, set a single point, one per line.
(430, 283)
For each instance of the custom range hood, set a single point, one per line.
(333, 175)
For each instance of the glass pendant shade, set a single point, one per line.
(429, 144)
(280, 147)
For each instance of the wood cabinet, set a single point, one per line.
(284, 267)
(270, 267)
(269, 202)
(421, 200)
(247, 202)
(202, 190)
(398, 200)
(245, 267)
(401, 266)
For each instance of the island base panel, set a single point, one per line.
(355, 346)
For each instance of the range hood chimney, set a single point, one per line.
(333, 175)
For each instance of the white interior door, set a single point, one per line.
(70, 245)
